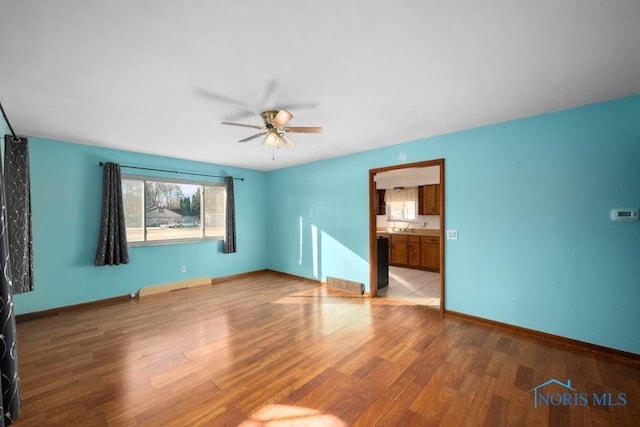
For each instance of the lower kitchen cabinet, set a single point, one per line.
(430, 253)
(399, 250)
(414, 251)
(421, 252)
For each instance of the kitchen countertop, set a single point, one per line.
(412, 232)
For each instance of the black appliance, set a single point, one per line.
(383, 261)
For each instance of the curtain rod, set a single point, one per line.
(171, 171)
(7, 121)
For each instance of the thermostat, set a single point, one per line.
(624, 214)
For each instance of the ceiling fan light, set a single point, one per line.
(272, 138)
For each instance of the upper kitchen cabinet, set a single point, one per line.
(381, 208)
(429, 199)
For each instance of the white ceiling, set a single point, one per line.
(158, 76)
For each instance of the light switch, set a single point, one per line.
(452, 234)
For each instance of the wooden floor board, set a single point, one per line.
(273, 349)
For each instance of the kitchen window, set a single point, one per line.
(161, 211)
(401, 204)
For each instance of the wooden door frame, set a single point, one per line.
(373, 252)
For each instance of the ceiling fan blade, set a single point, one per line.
(269, 91)
(282, 118)
(243, 125)
(253, 137)
(288, 142)
(295, 107)
(240, 115)
(304, 129)
(221, 98)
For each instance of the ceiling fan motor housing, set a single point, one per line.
(268, 117)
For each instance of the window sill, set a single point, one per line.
(173, 241)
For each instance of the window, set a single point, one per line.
(162, 211)
(402, 204)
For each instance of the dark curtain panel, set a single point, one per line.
(112, 241)
(18, 203)
(230, 218)
(10, 387)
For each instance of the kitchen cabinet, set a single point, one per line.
(429, 199)
(420, 252)
(430, 253)
(381, 208)
(414, 251)
(399, 250)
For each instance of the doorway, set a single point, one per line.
(430, 254)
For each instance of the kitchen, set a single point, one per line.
(408, 215)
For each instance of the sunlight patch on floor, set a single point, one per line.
(399, 279)
(413, 287)
(291, 416)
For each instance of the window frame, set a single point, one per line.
(144, 179)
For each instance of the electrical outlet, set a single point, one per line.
(183, 268)
(452, 234)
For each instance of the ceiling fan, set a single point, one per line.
(275, 129)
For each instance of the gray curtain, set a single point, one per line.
(112, 240)
(18, 204)
(10, 387)
(230, 218)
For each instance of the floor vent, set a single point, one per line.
(346, 285)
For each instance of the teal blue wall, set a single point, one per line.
(328, 202)
(530, 199)
(66, 184)
(4, 129)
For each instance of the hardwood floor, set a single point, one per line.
(272, 350)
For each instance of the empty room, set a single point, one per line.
(339, 213)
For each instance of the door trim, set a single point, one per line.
(373, 253)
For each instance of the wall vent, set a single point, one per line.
(345, 285)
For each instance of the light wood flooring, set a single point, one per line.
(273, 350)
